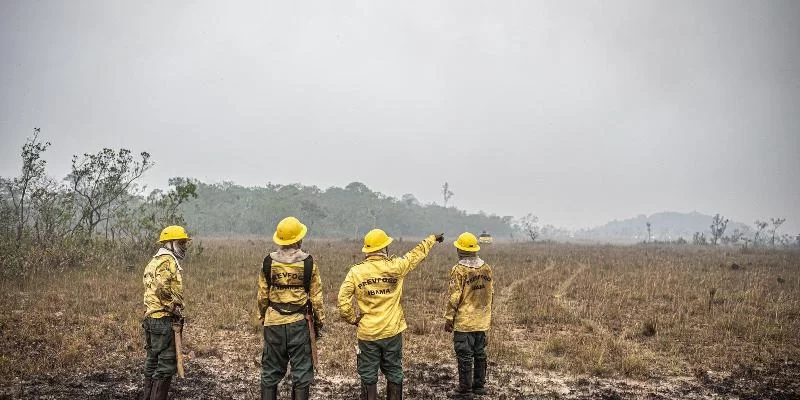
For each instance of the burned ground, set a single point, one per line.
(428, 381)
(570, 322)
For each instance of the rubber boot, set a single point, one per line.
(148, 387)
(369, 392)
(394, 391)
(269, 393)
(300, 393)
(464, 388)
(160, 388)
(479, 378)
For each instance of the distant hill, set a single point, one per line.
(664, 226)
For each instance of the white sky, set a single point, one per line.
(580, 112)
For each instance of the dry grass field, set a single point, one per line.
(570, 321)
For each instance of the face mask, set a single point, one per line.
(178, 249)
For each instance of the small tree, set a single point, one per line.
(776, 223)
(760, 226)
(785, 240)
(734, 237)
(137, 223)
(699, 239)
(99, 180)
(52, 210)
(446, 193)
(530, 225)
(718, 225)
(649, 232)
(20, 189)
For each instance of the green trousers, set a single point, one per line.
(287, 344)
(470, 346)
(384, 354)
(160, 345)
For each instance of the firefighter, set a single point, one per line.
(163, 297)
(377, 285)
(289, 288)
(468, 314)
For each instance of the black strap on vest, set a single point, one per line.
(287, 309)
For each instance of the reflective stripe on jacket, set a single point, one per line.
(163, 285)
(470, 295)
(377, 285)
(287, 270)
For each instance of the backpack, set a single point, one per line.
(285, 308)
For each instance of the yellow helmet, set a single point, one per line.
(467, 242)
(289, 231)
(375, 240)
(173, 232)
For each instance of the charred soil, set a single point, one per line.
(426, 381)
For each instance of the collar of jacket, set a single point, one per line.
(164, 251)
(288, 256)
(378, 255)
(472, 262)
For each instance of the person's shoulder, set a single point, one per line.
(164, 261)
(161, 258)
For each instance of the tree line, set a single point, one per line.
(335, 212)
(99, 208)
(100, 211)
(763, 234)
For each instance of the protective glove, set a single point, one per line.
(439, 237)
(448, 326)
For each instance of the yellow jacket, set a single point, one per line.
(377, 284)
(470, 295)
(287, 269)
(163, 285)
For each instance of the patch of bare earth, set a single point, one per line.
(212, 378)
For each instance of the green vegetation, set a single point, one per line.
(349, 212)
(99, 215)
(96, 215)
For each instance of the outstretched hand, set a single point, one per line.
(439, 237)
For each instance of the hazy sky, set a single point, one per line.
(579, 112)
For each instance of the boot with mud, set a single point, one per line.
(369, 392)
(148, 387)
(160, 389)
(300, 393)
(394, 391)
(269, 393)
(479, 378)
(464, 389)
